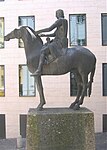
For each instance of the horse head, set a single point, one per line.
(13, 34)
(23, 32)
(32, 44)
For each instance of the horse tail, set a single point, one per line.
(91, 79)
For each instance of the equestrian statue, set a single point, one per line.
(55, 58)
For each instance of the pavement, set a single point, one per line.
(11, 144)
(101, 141)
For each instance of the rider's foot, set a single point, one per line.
(36, 73)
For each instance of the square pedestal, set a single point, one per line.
(60, 129)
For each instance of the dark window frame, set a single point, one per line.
(103, 79)
(23, 123)
(102, 15)
(3, 131)
(104, 122)
(85, 29)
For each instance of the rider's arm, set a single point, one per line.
(55, 25)
(48, 35)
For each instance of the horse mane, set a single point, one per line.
(37, 36)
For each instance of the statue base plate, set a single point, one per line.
(60, 129)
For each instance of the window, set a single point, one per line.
(27, 21)
(104, 29)
(1, 32)
(78, 29)
(105, 79)
(2, 89)
(26, 82)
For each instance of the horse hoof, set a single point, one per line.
(76, 107)
(72, 105)
(39, 108)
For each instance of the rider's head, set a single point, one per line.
(59, 13)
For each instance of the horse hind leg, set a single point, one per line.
(85, 81)
(72, 106)
(89, 85)
(79, 89)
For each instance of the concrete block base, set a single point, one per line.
(60, 129)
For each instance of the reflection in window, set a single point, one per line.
(26, 82)
(77, 29)
(2, 89)
(26, 21)
(73, 85)
(104, 29)
(1, 32)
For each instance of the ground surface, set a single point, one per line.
(10, 144)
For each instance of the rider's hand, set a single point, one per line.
(42, 35)
(37, 32)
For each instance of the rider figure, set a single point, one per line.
(60, 41)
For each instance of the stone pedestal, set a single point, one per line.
(60, 129)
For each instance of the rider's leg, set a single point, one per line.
(40, 66)
(44, 53)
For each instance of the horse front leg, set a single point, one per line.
(41, 93)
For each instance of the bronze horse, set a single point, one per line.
(78, 60)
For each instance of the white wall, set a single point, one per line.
(57, 88)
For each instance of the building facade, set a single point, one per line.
(87, 27)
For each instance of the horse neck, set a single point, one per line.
(31, 44)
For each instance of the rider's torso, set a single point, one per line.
(61, 32)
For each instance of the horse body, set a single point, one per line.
(73, 60)
(78, 60)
